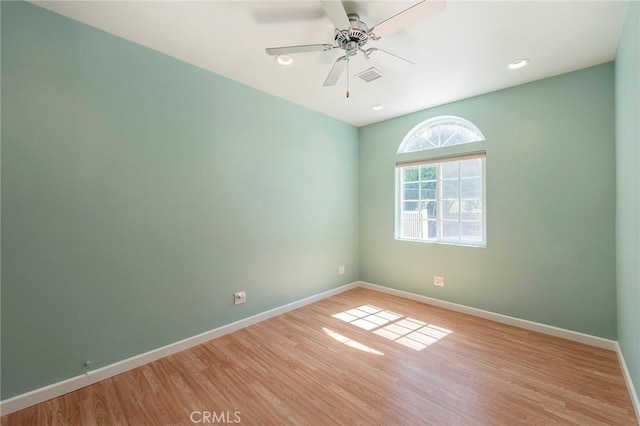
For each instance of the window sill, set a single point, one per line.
(446, 243)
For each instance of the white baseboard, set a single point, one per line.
(505, 319)
(627, 378)
(37, 396)
(54, 390)
(528, 325)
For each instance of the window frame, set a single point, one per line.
(439, 220)
(438, 156)
(425, 126)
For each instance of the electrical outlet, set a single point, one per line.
(438, 281)
(240, 297)
(341, 270)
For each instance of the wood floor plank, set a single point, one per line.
(361, 357)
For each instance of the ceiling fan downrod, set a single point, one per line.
(354, 37)
(351, 34)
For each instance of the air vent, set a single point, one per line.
(370, 75)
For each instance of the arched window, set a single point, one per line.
(440, 131)
(441, 192)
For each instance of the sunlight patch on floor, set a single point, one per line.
(410, 332)
(350, 342)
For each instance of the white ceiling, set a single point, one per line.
(460, 52)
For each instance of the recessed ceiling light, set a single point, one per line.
(518, 63)
(284, 59)
(377, 107)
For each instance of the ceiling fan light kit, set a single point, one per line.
(519, 63)
(284, 59)
(352, 34)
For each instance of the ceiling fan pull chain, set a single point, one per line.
(351, 35)
(347, 77)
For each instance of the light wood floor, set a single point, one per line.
(361, 357)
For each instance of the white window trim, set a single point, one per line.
(443, 159)
(463, 122)
(438, 160)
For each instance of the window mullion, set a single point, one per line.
(438, 204)
(401, 198)
(484, 202)
(420, 231)
(460, 201)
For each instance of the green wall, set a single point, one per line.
(627, 80)
(550, 254)
(140, 192)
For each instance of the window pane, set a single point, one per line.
(432, 228)
(431, 209)
(428, 185)
(410, 206)
(471, 168)
(450, 209)
(428, 172)
(428, 190)
(472, 231)
(431, 135)
(450, 189)
(471, 210)
(417, 142)
(471, 188)
(463, 135)
(448, 133)
(410, 191)
(450, 230)
(450, 170)
(409, 174)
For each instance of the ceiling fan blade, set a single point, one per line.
(337, 14)
(336, 71)
(375, 49)
(409, 16)
(389, 62)
(285, 50)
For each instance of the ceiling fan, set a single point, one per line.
(351, 34)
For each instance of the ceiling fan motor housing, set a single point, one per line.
(353, 38)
